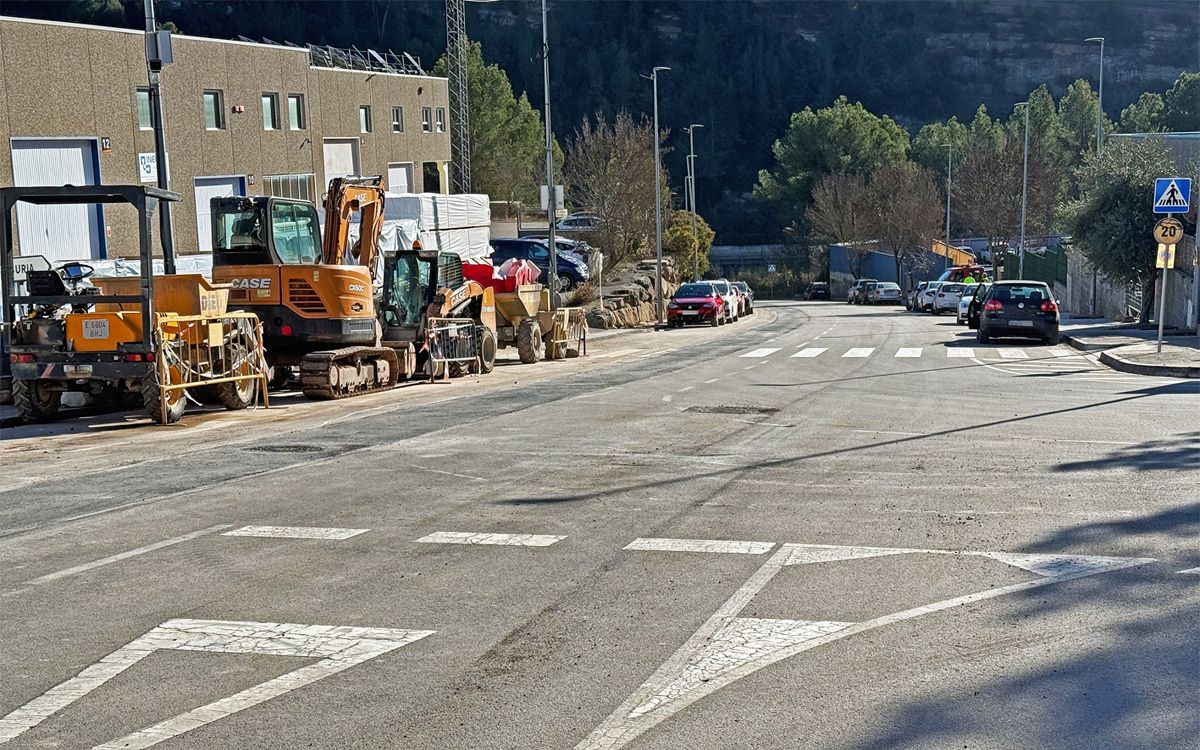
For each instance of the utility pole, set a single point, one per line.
(1024, 195)
(658, 199)
(158, 54)
(550, 201)
(691, 190)
(1099, 146)
(949, 173)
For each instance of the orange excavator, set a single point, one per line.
(313, 294)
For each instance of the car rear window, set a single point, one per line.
(888, 285)
(1021, 293)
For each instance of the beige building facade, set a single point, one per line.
(241, 119)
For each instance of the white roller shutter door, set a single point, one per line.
(208, 188)
(59, 233)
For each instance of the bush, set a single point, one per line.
(583, 294)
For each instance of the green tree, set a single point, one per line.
(1045, 126)
(508, 142)
(1144, 115)
(842, 138)
(985, 131)
(1181, 104)
(690, 250)
(1110, 222)
(1077, 110)
(929, 147)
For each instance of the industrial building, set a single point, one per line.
(241, 118)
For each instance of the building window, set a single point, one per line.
(426, 120)
(299, 186)
(296, 111)
(364, 119)
(441, 120)
(145, 118)
(270, 110)
(214, 110)
(397, 119)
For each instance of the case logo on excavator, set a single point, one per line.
(251, 283)
(357, 288)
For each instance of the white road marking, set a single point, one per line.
(1012, 354)
(449, 473)
(468, 537)
(711, 380)
(685, 390)
(908, 351)
(337, 647)
(296, 532)
(811, 352)
(960, 351)
(700, 545)
(668, 399)
(1057, 351)
(727, 647)
(764, 352)
(1189, 571)
(859, 352)
(128, 554)
(886, 432)
(765, 424)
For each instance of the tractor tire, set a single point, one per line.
(150, 400)
(209, 395)
(459, 369)
(237, 394)
(553, 351)
(529, 341)
(487, 351)
(35, 402)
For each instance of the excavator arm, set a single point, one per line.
(346, 196)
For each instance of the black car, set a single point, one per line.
(572, 271)
(818, 290)
(1019, 308)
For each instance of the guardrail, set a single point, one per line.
(451, 341)
(203, 350)
(570, 326)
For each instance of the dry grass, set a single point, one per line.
(582, 294)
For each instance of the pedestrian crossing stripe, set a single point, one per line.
(962, 351)
(1039, 357)
(909, 351)
(859, 352)
(1013, 354)
(765, 352)
(811, 352)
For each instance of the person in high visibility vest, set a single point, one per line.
(969, 280)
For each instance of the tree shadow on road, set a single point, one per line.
(1167, 454)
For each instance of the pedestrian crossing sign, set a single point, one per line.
(1172, 195)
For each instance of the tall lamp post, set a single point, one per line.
(691, 188)
(949, 174)
(1024, 193)
(551, 204)
(657, 196)
(158, 54)
(1099, 96)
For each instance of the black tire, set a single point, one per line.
(35, 402)
(459, 369)
(238, 394)
(716, 321)
(982, 337)
(487, 350)
(529, 341)
(1050, 340)
(150, 400)
(278, 377)
(553, 351)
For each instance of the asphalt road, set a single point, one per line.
(823, 527)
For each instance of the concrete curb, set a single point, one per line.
(1117, 362)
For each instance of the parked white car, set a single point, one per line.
(964, 302)
(946, 297)
(927, 296)
(730, 295)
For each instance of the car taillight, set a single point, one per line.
(22, 358)
(993, 305)
(1049, 306)
(286, 330)
(139, 357)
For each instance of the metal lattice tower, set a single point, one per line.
(456, 56)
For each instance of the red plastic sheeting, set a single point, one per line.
(506, 278)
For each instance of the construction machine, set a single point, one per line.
(313, 293)
(353, 320)
(154, 337)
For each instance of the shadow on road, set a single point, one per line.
(1168, 454)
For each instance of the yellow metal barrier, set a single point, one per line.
(203, 350)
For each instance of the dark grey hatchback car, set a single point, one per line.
(1024, 309)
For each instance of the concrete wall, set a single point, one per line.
(67, 80)
(1110, 298)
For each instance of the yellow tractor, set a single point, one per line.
(155, 337)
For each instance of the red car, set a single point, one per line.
(697, 302)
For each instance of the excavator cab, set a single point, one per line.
(250, 231)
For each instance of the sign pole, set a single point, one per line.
(1162, 306)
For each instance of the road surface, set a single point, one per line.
(823, 527)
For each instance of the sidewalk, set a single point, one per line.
(1130, 349)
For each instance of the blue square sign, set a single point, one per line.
(1172, 195)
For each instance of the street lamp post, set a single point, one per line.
(1024, 194)
(949, 182)
(1099, 96)
(691, 188)
(657, 196)
(550, 197)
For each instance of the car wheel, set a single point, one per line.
(715, 321)
(1051, 339)
(982, 336)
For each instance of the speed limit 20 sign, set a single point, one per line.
(1168, 231)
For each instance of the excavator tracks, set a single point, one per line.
(352, 371)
